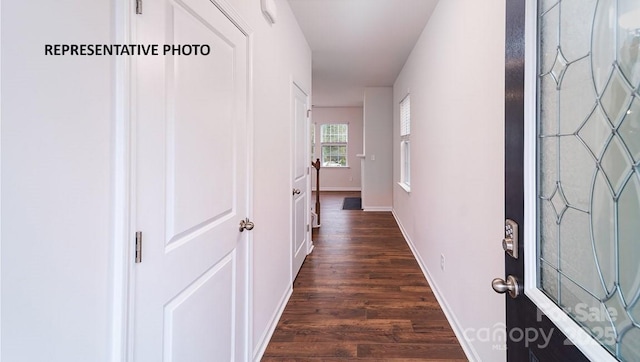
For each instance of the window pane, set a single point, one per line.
(334, 156)
(405, 131)
(405, 116)
(407, 163)
(334, 133)
(405, 172)
(334, 138)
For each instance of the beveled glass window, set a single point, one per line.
(589, 166)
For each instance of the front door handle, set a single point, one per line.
(296, 191)
(510, 285)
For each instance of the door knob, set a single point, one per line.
(296, 191)
(246, 225)
(510, 285)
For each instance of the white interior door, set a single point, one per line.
(300, 196)
(191, 187)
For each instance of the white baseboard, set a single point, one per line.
(377, 208)
(338, 188)
(468, 349)
(266, 337)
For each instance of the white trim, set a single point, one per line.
(248, 315)
(0, 189)
(575, 334)
(405, 187)
(469, 351)
(581, 339)
(266, 336)
(230, 12)
(130, 280)
(338, 189)
(310, 218)
(377, 208)
(292, 161)
(121, 305)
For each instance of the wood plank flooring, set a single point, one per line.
(361, 296)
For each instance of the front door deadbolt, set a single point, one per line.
(510, 241)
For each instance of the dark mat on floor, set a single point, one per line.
(352, 203)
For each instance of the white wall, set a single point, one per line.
(336, 178)
(280, 55)
(58, 175)
(377, 179)
(455, 75)
(57, 150)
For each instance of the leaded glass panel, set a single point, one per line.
(589, 166)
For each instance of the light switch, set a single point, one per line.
(373, 157)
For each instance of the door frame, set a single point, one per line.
(307, 155)
(121, 303)
(122, 275)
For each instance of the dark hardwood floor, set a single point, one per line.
(361, 296)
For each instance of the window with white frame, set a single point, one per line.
(405, 143)
(334, 139)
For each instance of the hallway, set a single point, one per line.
(361, 295)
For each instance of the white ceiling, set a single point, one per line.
(358, 43)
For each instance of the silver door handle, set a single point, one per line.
(296, 191)
(246, 225)
(510, 285)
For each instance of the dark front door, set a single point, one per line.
(572, 179)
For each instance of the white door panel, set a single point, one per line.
(300, 206)
(196, 134)
(201, 304)
(191, 190)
